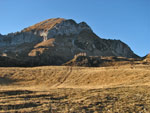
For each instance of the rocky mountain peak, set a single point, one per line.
(57, 27)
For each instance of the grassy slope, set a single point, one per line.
(78, 89)
(62, 76)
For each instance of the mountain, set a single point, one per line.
(56, 41)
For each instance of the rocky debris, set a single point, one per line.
(56, 41)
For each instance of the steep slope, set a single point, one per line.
(56, 41)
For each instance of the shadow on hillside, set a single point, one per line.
(6, 81)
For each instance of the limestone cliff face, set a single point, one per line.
(18, 38)
(55, 41)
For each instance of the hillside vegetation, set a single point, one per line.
(66, 89)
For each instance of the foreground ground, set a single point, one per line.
(124, 89)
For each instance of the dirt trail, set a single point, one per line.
(66, 75)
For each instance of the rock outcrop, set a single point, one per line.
(56, 41)
(147, 58)
(98, 61)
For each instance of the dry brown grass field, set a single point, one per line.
(65, 89)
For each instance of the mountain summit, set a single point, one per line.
(56, 27)
(56, 41)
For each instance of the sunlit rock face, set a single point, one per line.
(55, 41)
(147, 58)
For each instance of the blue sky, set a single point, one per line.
(127, 20)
